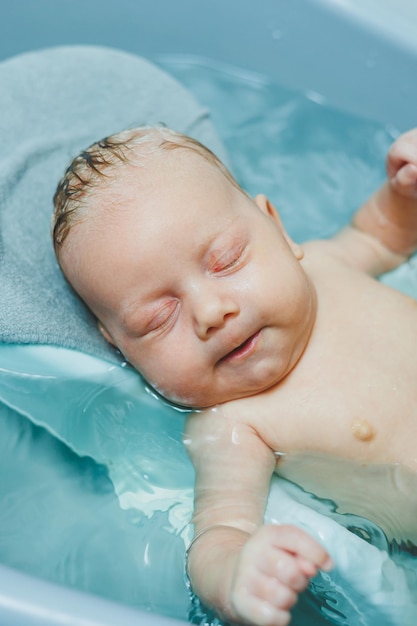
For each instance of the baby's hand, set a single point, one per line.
(274, 566)
(402, 164)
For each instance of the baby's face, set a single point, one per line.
(195, 283)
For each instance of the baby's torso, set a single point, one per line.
(353, 393)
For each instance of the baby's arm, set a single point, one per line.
(383, 233)
(247, 572)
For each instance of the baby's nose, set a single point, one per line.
(212, 313)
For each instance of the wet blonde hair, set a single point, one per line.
(99, 163)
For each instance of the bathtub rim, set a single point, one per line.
(31, 601)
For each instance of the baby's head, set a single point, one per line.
(194, 282)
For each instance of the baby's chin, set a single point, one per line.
(186, 400)
(203, 400)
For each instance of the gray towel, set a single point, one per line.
(53, 103)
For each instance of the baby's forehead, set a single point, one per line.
(156, 167)
(157, 171)
(157, 192)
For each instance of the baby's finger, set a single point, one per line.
(402, 151)
(285, 569)
(298, 542)
(276, 593)
(255, 610)
(308, 568)
(405, 180)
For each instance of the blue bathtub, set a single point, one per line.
(361, 57)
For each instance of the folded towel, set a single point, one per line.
(53, 103)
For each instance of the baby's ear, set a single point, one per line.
(107, 336)
(268, 208)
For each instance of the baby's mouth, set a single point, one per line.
(243, 350)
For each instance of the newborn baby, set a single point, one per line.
(278, 347)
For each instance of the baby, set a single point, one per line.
(279, 347)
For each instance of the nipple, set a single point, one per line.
(363, 430)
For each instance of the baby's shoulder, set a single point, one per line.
(355, 250)
(256, 410)
(211, 430)
(239, 411)
(319, 251)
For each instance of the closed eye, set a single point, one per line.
(163, 318)
(230, 260)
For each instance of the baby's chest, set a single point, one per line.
(360, 412)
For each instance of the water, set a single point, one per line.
(96, 490)
(67, 510)
(316, 164)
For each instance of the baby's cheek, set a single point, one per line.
(173, 386)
